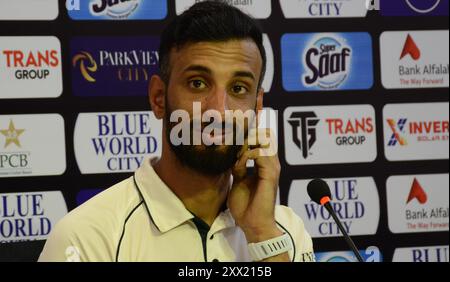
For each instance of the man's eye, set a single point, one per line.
(197, 84)
(239, 90)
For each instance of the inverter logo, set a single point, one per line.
(416, 131)
(115, 142)
(327, 61)
(32, 145)
(30, 63)
(259, 9)
(418, 203)
(113, 66)
(415, 59)
(29, 216)
(330, 134)
(324, 8)
(421, 254)
(29, 10)
(355, 201)
(117, 9)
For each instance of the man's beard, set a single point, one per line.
(209, 160)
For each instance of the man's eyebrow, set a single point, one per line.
(198, 68)
(244, 74)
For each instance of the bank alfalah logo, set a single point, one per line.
(417, 192)
(12, 135)
(87, 65)
(307, 121)
(398, 128)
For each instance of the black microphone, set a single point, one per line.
(319, 192)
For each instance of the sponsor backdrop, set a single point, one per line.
(358, 96)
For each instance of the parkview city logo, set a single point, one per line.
(421, 254)
(418, 203)
(113, 66)
(414, 7)
(327, 61)
(415, 59)
(323, 8)
(416, 131)
(119, 10)
(259, 9)
(355, 201)
(330, 134)
(29, 10)
(32, 145)
(115, 142)
(28, 216)
(30, 67)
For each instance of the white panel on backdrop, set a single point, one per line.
(421, 254)
(28, 9)
(330, 134)
(260, 9)
(116, 142)
(414, 59)
(323, 8)
(29, 215)
(32, 145)
(416, 131)
(418, 203)
(270, 66)
(30, 67)
(355, 201)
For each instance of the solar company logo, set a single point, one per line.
(115, 142)
(29, 10)
(32, 145)
(414, 8)
(30, 67)
(29, 216)
(355, 200)
(330, 134)
(259, 9)
(118, 10)
(323, 8)
(418, 203)
(113, 66)
(324, 62)
(421, 254)
(416, 131)
(415, 59)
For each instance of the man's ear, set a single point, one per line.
(156, 96)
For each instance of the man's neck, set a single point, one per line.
(203, 195)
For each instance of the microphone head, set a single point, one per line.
(317, 190)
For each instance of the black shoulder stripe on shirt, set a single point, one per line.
(124, 226)
(292, 239)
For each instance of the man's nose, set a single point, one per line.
(218, 101)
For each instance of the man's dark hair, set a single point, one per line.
(208, 21)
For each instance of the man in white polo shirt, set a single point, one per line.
(198, 202)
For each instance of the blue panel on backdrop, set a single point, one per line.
(414, 7)
(113, 66)
(327, 61)
(122, 10)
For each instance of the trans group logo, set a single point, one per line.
(113, 66)
(120, 10)
(115, 142)
(414, 7)
(327, 61)
(30, 67)
(416, 131)
(330, 134)
(415, 59)
(355, 201)
(323, 8)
